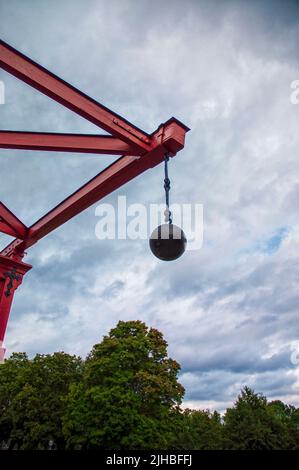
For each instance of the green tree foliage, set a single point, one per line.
(254, 425)
(126, 395)
(197, 430)
(31, 399)
(128, 391)
(288, 416)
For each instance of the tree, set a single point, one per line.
(198, 430)
(288, 417)
(128, 391)
(251, 425)
(32, 393)
(11, 383)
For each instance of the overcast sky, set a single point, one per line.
(230, 310)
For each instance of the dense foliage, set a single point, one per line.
(126, 395)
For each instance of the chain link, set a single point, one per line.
(167, 212)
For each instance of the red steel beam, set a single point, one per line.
(9, 220)
(81, 143)
(120, 172)
(4, 228)
(46, 82)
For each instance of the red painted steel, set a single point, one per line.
(49, 84)
(5, 228)
(140, 151)
(82, 143)
(7, 267)
(171, 134)
(11, 224)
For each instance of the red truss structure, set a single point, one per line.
(139, 152)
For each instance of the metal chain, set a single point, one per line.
(167, 212)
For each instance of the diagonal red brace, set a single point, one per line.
(10, 224)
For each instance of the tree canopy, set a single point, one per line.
(126, 395)
(32, 394)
